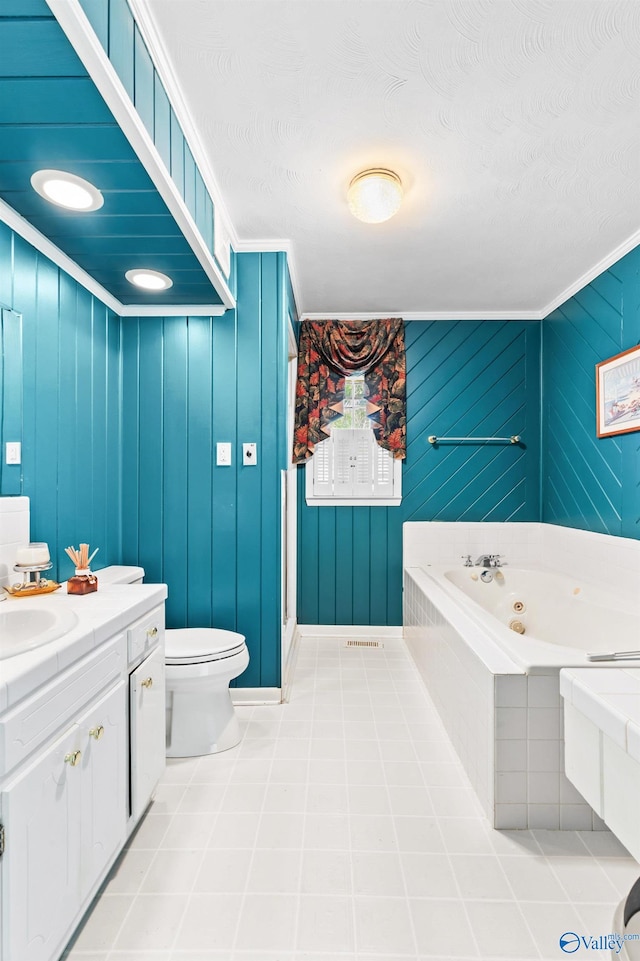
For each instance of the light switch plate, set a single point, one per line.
(249, 454)
(13, 452)
(223, 455)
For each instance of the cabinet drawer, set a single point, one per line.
(37, 718)
(144, 634)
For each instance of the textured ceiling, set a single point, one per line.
(514, 125)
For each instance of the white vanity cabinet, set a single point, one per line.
(75, 752)
(64, 818)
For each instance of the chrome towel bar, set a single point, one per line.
(514, 439)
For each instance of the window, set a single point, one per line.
(350, 468)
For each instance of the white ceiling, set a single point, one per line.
(514, 125)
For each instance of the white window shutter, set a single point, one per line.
(322, 464)
(343, 462)
(351, 468)
(362, 474)
(383, 473)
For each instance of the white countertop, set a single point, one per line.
(100, 616)
(610, 698)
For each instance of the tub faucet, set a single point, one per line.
(488, 560)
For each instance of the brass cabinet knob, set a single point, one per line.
(96, 732)
(152, 632)
(73, 758)
(148, 682)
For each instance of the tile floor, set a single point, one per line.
(343, 828)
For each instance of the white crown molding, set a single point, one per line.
(432, 315)
(624, 248)
(28, 232)
(73, 20)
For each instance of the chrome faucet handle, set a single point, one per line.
(467, 560)
(494, 560)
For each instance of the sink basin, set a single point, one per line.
(24, 629)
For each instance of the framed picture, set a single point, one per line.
(618, 393)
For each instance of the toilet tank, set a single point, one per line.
(120, 575)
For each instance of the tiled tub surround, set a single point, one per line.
(504, 715)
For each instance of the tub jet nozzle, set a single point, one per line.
(517, 626)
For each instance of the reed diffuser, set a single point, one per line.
(83, 582)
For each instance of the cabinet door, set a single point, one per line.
(103, 735)
(40, 866)
(147, 719)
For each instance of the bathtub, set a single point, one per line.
(497, 691)
(542, 618)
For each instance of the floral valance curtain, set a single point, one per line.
(329, 351)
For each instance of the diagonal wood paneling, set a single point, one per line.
(463, 378)
(589, 482)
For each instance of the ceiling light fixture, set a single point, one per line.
(375, 195)
(66, 190)
(148, 279)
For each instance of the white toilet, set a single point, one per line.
(200, 663)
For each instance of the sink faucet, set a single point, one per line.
(488, 560)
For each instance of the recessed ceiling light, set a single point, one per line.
(148, 279)
(67, 190)
(375, 195)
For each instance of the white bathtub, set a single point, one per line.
(562, 618)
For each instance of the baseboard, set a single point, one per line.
(348, 630)
(256, 695)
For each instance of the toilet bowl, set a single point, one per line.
(200, 662)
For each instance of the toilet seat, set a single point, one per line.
(201, 645)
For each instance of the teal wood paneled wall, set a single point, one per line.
(463, 378)
(211, 533)
(115, 27)
(71, 405)
(589, 482)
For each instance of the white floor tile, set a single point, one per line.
(442, 929)
(152, 922)
(325, 924)
(223, 871)
(343, 828)
(267, 922)
(480, 876)
(500, 930)
(384, 925)
(326, 872)
(378, 874)
(209, 923)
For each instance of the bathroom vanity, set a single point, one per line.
(82, 746)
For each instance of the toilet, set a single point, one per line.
(200, 663)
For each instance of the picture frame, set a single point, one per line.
(618, 393)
